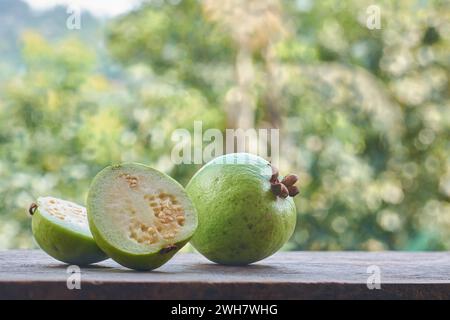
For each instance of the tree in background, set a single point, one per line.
(364, 114)
(52, 117)
(62, 120)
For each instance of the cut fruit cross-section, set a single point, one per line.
(139, 216)
(61, 229)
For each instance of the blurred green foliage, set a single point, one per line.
(364, 114)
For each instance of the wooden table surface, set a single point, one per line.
(28, 274)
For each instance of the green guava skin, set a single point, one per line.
(140, 262)
(240, 220)
(63, 242)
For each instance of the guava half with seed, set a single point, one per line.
(61, 229)
(139, 216)
(245, 212)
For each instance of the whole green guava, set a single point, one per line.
(245, 213)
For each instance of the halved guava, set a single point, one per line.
(139, 216)
(61, 229)
(245, 212)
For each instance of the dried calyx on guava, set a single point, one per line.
(245, 210)
(61, 229)
(139, 216)
(284, 188)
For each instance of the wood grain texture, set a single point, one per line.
(291, 275)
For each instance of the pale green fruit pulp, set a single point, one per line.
(61, 229)
(139, 216)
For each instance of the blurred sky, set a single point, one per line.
(101, 8)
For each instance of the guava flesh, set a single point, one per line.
(240, 220)
(139, 216)
(61, 229)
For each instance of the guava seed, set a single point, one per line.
(169, 217)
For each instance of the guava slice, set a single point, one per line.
(61, 229)
(139, 216)
(245, 212)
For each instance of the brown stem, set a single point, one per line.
(168, 249)
(32, 209)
